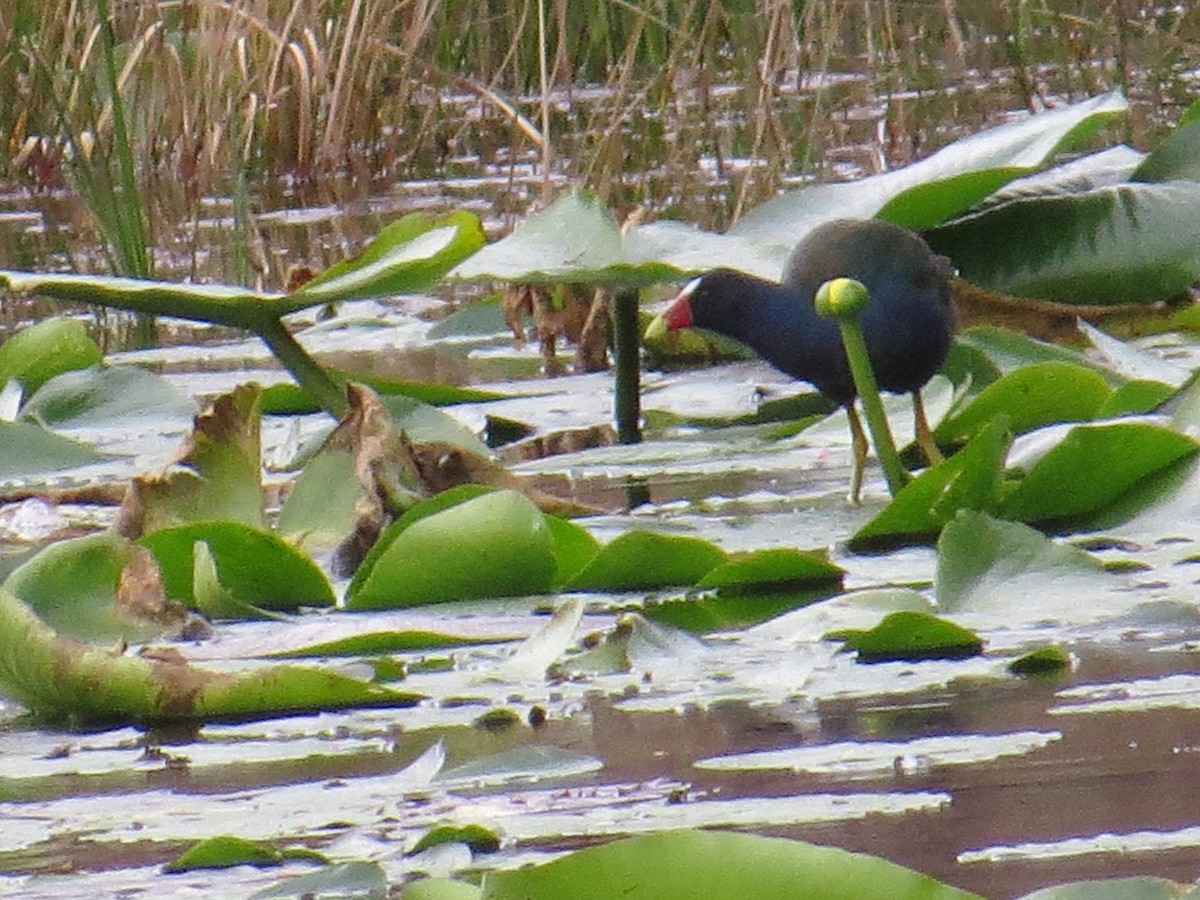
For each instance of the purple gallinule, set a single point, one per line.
(908, 323)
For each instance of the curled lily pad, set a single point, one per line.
(643, 559)
(106, 395)
(478, 837)
(218, 474)
(1092, 467)
(57, 678)
(1031, 396)
(968, 480)
(99, 588)
(494, 545)
(1042, 662)
(223, 852)
(36, 354)
(255, 567)
(772, 569)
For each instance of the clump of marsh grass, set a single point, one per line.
(180, 121)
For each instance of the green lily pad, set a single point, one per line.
(1125, 243)
(257, 568)
(27, 449)
(287, 398)
(57, 678)
(440, 889)
(356, 879)
(495, 545)
(225, 851)
(37, 353)
(772, 569)
(1138, 888)
(726, 611)
(574, 548)
(715, 864)
(1091, 468)
(990, 565)
(106, 395)
(409, 254)
(968, 480)
(938, 187)
(376, 643)
(1042, 662)
(1032, 396)
(1134, 398)
(912, 636)
(643, 560)
(479, 838)
(219, 475)
(1009, 350)
(575, 240)
(75, 587)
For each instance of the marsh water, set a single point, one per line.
(990, 782)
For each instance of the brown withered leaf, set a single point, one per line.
(1044, 319)
(443, 466)
(140, 596)
(217, 475)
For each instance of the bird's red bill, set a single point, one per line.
(679, 314)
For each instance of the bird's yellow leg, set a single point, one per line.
(924, 434)
(859, 444)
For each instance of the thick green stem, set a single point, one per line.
(308, 374)
(868, 393)
(844, 299)
(628, 412)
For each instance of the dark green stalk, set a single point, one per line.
(628, 412)
(308, 374)
(843, 299)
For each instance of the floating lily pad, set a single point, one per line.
(356, 879)
(37, 353)
(715, 864)
(1006, 568)
(225, 851)
(495, 545)
(1031, 396)
(643, 559)
(286, 398)
(379, 642)
(968, 480)
(27, 449)
(574, 548)
(218, 475)
(478, 837)
(772, 569)
(1091, 468)
(57, 678)
(913, 636)
(257, 568)
(94, 588)
(1042, 662)
(106, 395)
(440, 889)
(1139, 888)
